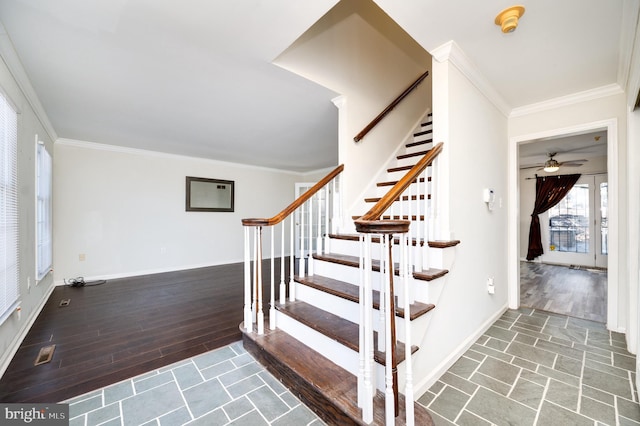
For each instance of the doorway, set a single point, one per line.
(519, 213)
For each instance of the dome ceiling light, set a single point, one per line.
(508, 18)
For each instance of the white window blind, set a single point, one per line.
(44, 240)
(8, 209)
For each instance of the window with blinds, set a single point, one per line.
(44, 240)
(8, 209)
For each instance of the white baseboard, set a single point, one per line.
(430, 379)
(22, 333)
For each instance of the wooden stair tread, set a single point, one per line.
(412, 154)
(353, 261)
(352, 292)
(339, 329)
(423, 132)
(430, 274)
(355, 237)
(393, 182)
(404, 198)
(326, 388)
(443, 243)
(416, 143)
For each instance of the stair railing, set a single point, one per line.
(399, 225)
(389, 108)
(325, 195)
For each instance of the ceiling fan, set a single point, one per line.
(552, 165)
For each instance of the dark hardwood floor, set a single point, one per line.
(126, 327)
(580, 293)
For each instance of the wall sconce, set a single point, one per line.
(508, 18)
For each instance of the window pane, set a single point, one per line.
(604, 223)
(569, 222)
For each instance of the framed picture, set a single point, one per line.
(209, 195)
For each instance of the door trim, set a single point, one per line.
(614, 293)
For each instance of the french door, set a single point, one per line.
(576, 230)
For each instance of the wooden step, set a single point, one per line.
(336, 328)
(376, 240)
(417, 143)
(413, 154)
(351, 292)
(404, 198)
(399, 169)
(423, 132)
(353, 261)
(327, 389)
(443, 243)
(393, 182)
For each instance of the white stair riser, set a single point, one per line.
(333, 350)
(351, 311)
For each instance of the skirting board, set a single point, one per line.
(17, 341)
(430, 379)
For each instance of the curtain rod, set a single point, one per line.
(582, 174)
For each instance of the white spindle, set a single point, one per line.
(254, 277)
(319, 222)
(368, 381)
(301, 259)
(327, 194)
(283, 288)
(408, 392)
(310, 251)
(292, 288)
(361, 330)
(248, 318)
(272, 308)
(260, 318)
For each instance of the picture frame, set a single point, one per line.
(209, 195)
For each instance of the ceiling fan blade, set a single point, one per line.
(530, 167)
(571, 164)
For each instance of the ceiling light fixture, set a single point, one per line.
(551, 166)
(508, 18)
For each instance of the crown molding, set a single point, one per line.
(572, 99)
(156, 154)
(12, 60)
(450, 51)
(628, 43)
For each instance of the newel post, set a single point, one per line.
(386, 229)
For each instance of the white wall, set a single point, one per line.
(605, 108)
(358, 51)
(124, 210)
(32, 295)
(474, 157)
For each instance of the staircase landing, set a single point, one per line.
(327, 389)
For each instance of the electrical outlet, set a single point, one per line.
(490, 286)
(82, 257)
(163, 250)
(28, 284)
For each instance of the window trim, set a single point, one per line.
(44, 211)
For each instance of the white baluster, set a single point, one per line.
(283, 288)
(369, 390)
(408, 392)
(327, 240)
(260, 318)
(254, 278)
(301, 260)
(272, 308)
(248, 318)
(310, 251)
(292, 285)
(361, 331)
(319, 223)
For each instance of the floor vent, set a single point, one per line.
(64, 302)
(45, 355)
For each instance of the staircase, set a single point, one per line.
(342, 289)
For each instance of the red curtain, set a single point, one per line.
(550, 190)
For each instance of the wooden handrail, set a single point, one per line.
(394, 193)
(388, 109)
(297, 203)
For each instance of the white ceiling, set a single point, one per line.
(195, 77)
